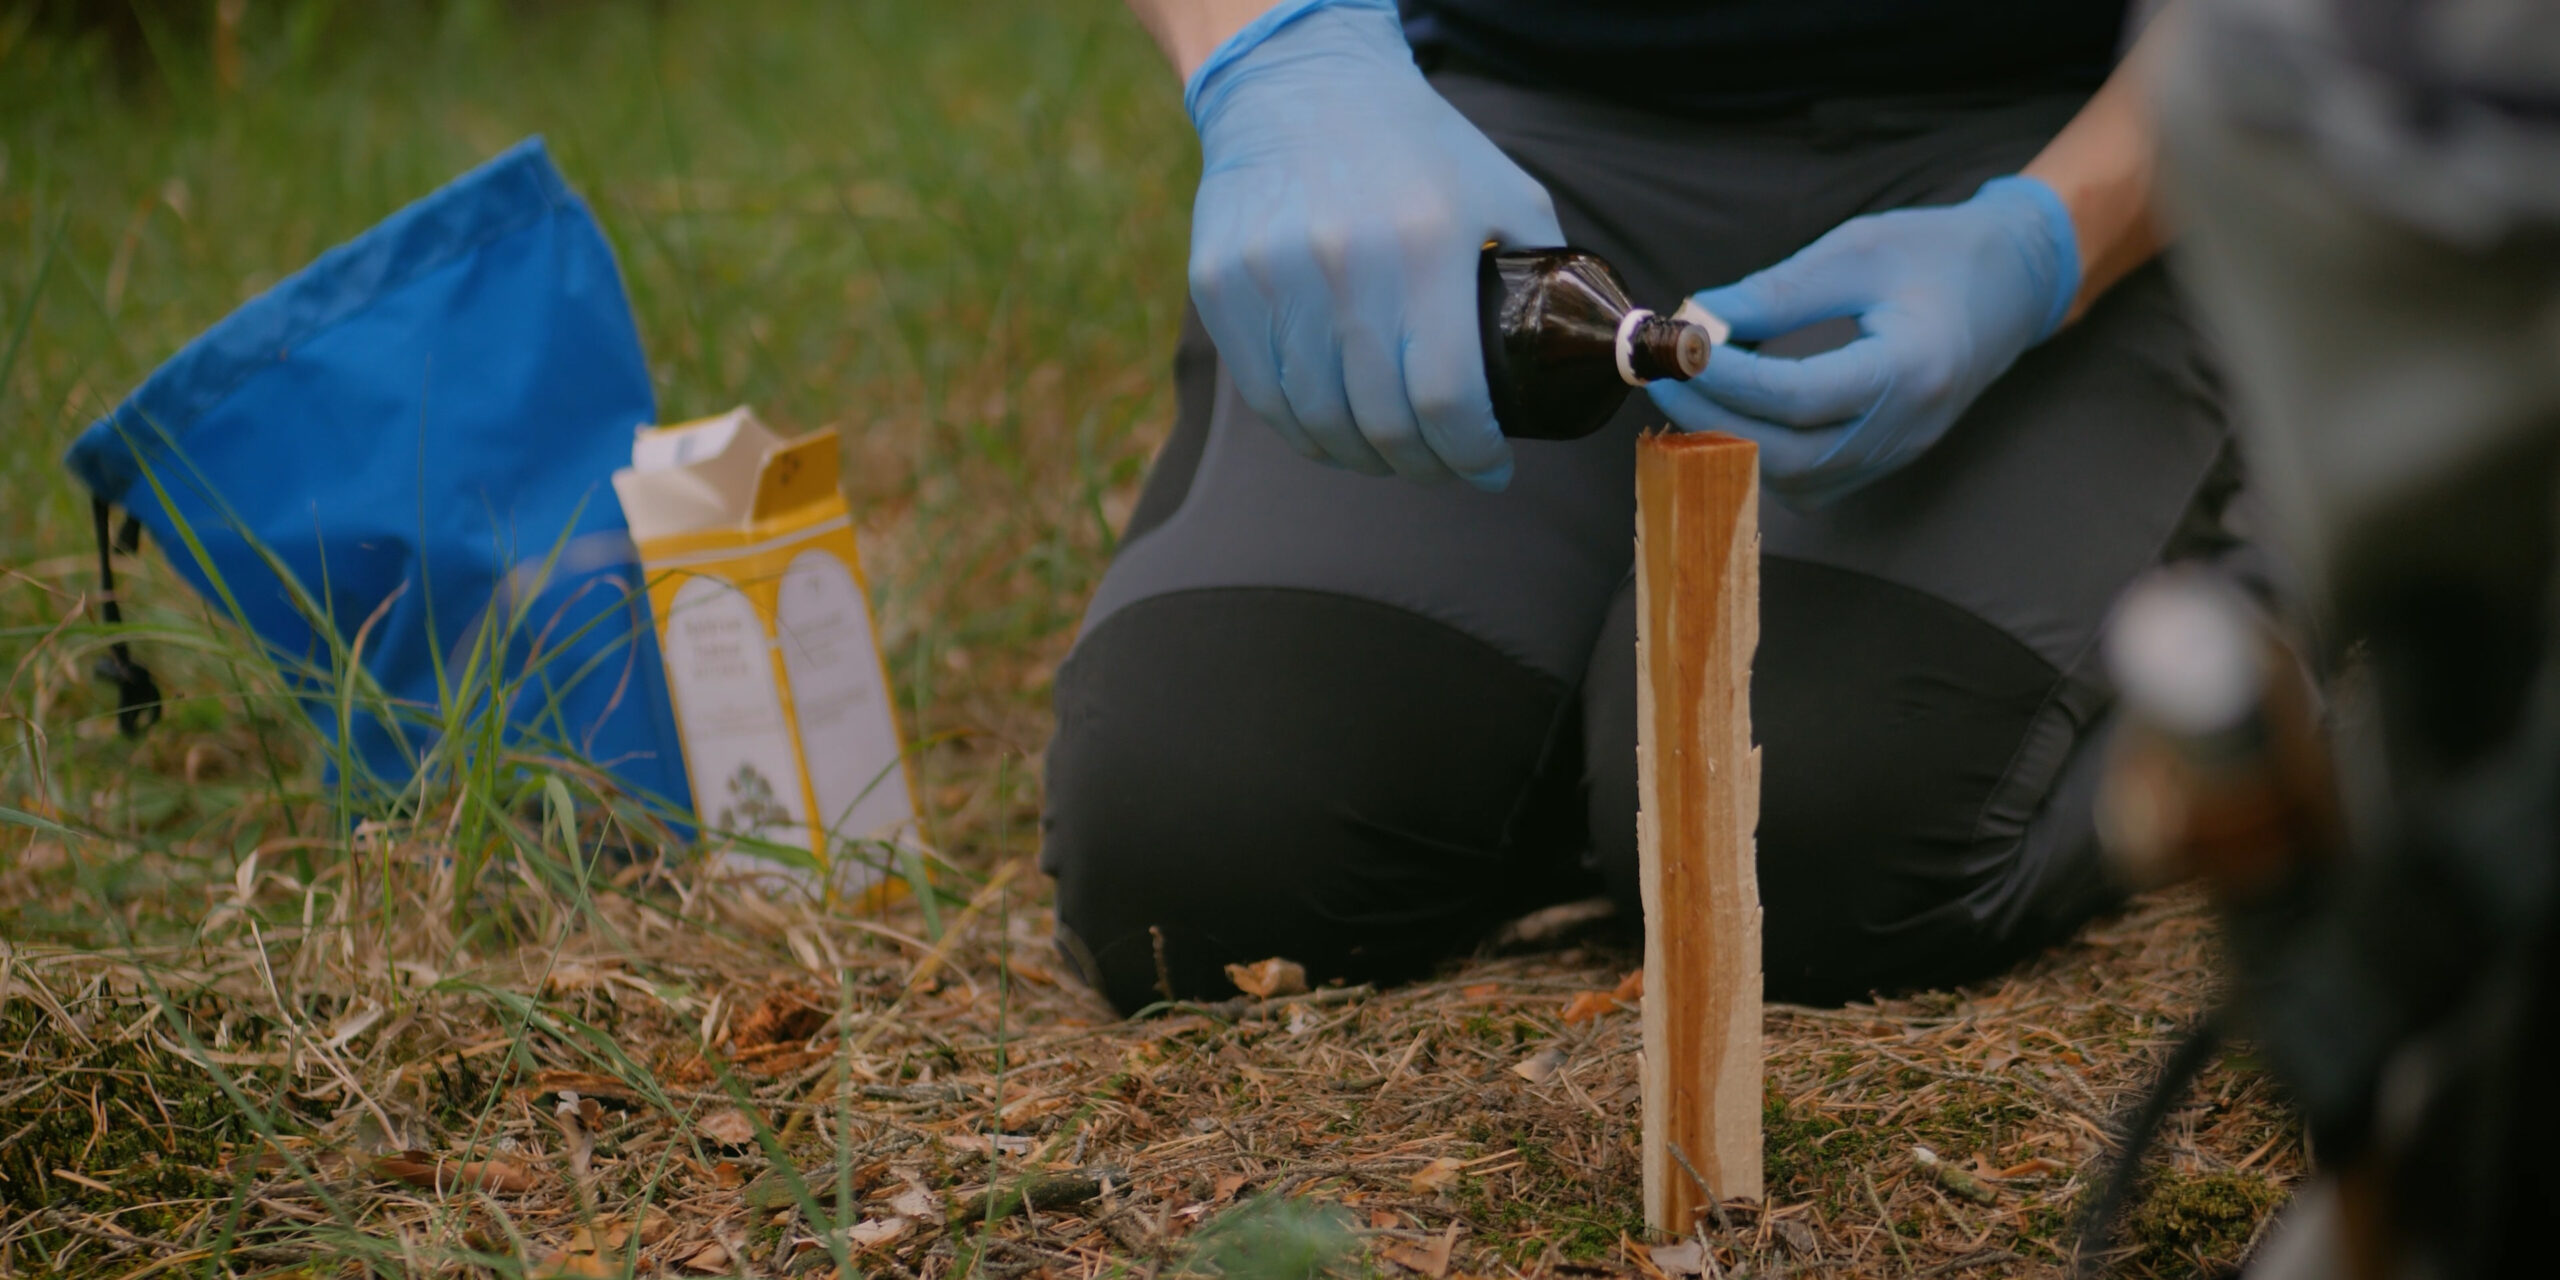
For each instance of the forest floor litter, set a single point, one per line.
(702, 1082)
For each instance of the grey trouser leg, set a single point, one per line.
(1352, 720)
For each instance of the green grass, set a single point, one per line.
(1581, 1222)
(172, 1160)
(954, 230)
(2184, 1223)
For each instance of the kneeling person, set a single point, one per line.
(1361, 681)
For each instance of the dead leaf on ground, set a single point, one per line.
(1431, 1259)
(1680, 1258)
(1439, 1175)
(710, 1259)
(728, 1126)
(1539, 1066)
(1225, 1186)
(1003, 1144)
(787, 1016)
(570, 978)
(420, 1169)
(561, 1264)
(1480, 991)
(585, 1084)
(1797, 1237)
(1185, 1024)
(1587, 1006)
(915, 1200)
(1032, 1105)
(879, 1232)
(1270, 978)
(606, 1237)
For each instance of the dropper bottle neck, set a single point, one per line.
(1653, 347)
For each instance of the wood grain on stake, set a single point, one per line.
(1698, 780)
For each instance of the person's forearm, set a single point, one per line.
(1188, 29)
(2102, 164)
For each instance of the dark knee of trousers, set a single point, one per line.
(1246, 773)
(1886, 719)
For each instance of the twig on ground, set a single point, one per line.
(1706, 1190)
(1977, 1258)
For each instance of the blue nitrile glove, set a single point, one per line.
(1342, 207)
(1946, 298)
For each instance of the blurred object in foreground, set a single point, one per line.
(2369, 192)
(2220, 770)
(790, 737)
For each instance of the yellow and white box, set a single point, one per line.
(790, 735)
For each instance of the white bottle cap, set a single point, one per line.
(1717, 330)
(1627, 344)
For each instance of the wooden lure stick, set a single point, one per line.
(1698, 794)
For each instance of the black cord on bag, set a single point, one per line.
(2098, 1226)
(137, 694)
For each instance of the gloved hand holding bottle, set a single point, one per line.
(1334, 241)
(1946, 299)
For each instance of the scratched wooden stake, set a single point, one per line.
(1698, 780)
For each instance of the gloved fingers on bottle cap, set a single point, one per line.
(1717, 330)
(1817, 391)
(1786, 297)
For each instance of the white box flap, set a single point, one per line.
(693, 475)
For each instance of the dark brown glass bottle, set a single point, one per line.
(1563, 345)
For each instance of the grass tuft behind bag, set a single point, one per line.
(394, 467)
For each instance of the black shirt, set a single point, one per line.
(1754, 56)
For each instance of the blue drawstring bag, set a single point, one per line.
(399, 458)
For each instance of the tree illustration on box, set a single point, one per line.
(753, 808)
